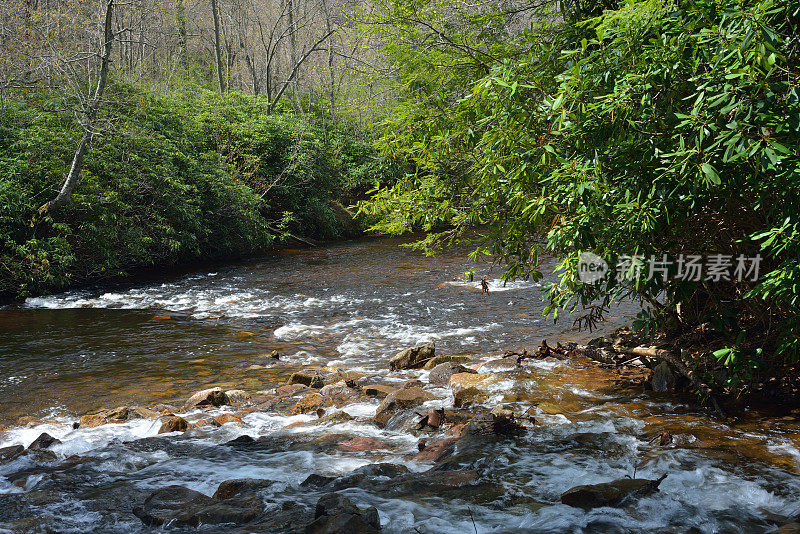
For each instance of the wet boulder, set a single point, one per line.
(8, 454)
(433, 419)
(240, 486)
(207, 397)
(312, 380)
(491, 424)
(437, 450)
(438, 360)
(616, 493)
(44, 441)
(335, 514)
(413, 358)
(174, 424)
(219, 420)
(237, 396)
(308, 403)
(400, 400)
(440, 375)
(117, 415)
(182, 506)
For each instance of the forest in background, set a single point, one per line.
(650, 129)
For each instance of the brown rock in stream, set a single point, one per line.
(413, 358)
(438, 360)
(400, 400)
(614, 493)
(174, 424)
(307, 404)
(490, 423)
(237, 396)
(312, 380)
(207, 397)
(440, 375)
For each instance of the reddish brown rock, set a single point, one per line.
(307, 404)
(174, 424)
(361, 444)
(437, 451)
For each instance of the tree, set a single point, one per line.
(90, 114)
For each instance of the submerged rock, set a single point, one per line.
(207, 397)
(174, 424)
(614, 493)
(44, 441)
(413, 358)
(335, 514)
(465, 380)
(361, 444)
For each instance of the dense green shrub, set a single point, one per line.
(657, 128)
(182, 176)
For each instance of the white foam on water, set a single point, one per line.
(497, 284)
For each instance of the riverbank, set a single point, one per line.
(183, 176)
(435, 444)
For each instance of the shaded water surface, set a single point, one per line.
(351, 306)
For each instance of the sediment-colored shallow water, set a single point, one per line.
(352, 306)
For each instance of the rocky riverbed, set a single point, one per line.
(435, 443)
(481, 440)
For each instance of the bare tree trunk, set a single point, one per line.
(71, 181)
(296, 67)
(332, 87)
(180, 8)
(217, 50)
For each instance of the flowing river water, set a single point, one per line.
(352, 306)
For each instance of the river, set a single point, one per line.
(352, 306)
